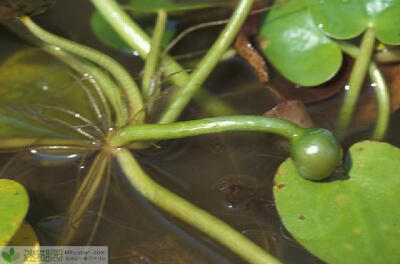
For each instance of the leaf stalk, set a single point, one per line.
(357, 78)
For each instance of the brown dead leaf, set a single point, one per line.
(292, 110)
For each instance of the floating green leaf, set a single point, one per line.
(30, 82)
(14, 204)
(296, 47)
(25, 236)
(172, 5)
(104, 33)
(349, 18)
(348, 220)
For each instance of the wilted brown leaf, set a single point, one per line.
(292, 110)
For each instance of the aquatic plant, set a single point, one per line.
(320, 201)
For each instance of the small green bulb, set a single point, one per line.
(316, 154)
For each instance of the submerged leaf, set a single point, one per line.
(31, 83)
(348, 19)
(350, 219)
(297, 48)
(14, 204)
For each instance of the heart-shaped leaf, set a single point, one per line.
(354, 219)
(32, 83)
(14, 204)
(296, 47)
(347, 19)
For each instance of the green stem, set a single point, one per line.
(148, 85)
(118, 72)
(383, 98)
(207, 64)
(146, 132)
(315, 152)
(106, 84)
(129, 31)
(189, 213)
(138, 40)
(381, 91)
(88, 191)
(356, 81)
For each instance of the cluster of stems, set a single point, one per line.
(363, 65)
(129, 105)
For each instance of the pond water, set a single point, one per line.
(229, 175)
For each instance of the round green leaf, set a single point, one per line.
(297, 48)
(352, 219)
(347, 19)
(387, 26)
(30, 81)
(14, 204)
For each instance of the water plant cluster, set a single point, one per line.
(338, 204)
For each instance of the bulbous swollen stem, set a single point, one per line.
(315, 152)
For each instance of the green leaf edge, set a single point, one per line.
(360, 146)
(24, 203)
(302, 81)
(375, 22)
